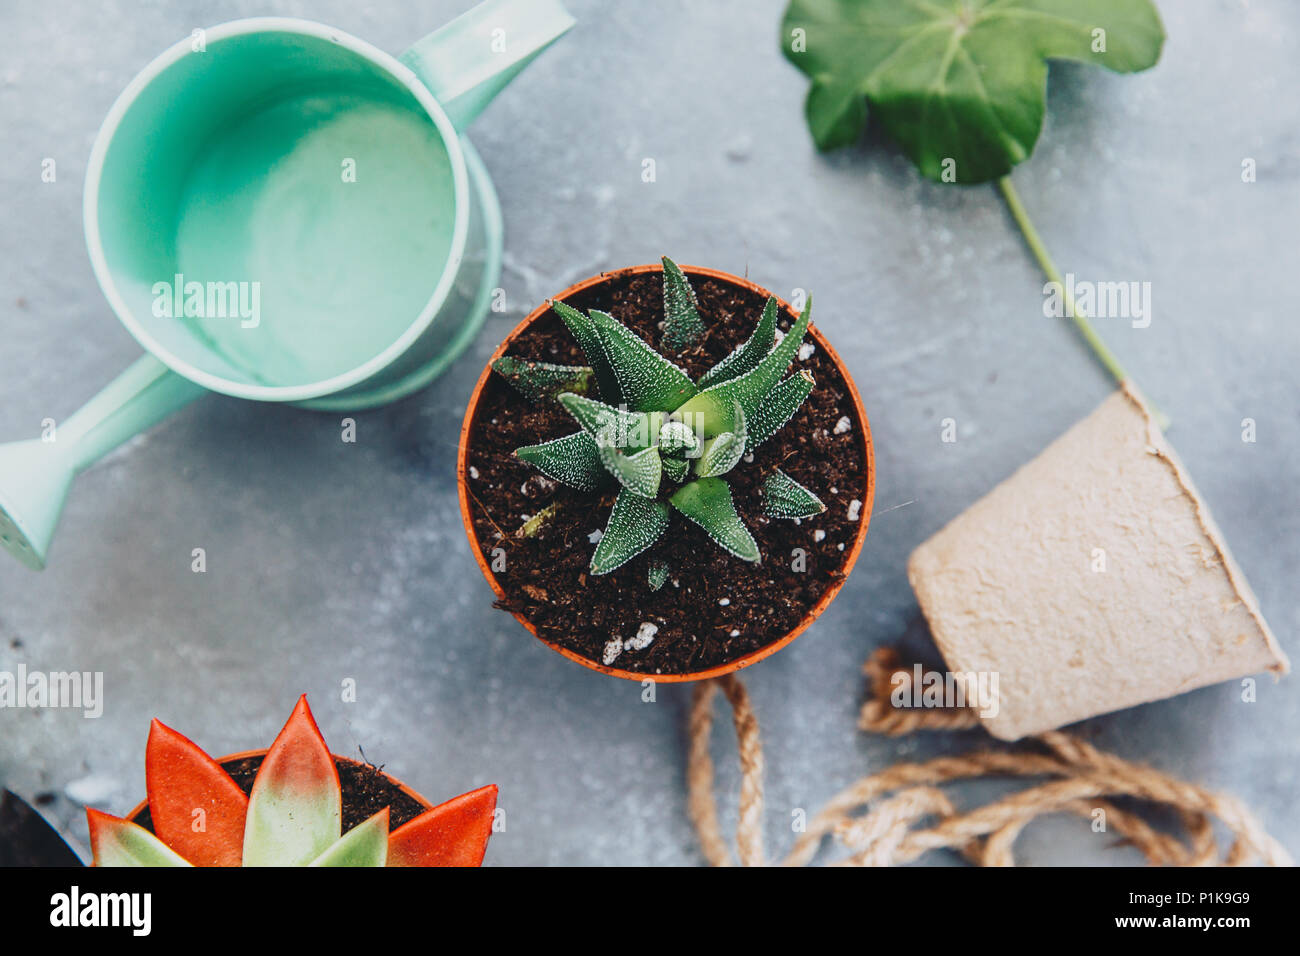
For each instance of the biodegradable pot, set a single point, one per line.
(243, 766)
(612, 284)
(1092, 579)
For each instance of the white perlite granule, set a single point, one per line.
(595, 536)
(843, 425)
(612, 650)
(806, 350)
(735, 632)
(473, 472)
(724, 601)
(855, 509)
(819, 535)
(644, 635)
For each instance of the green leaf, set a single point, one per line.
(958, 83)
(639, 473)
(630, 431)
(647, 381)
(634, 525)
(366, 844)
(836, 112)
(118, 842)
(712, 412)
(746, 356)
(536, 381)
(707, 502)
(682, 323)
(295, 811)
(779, 407)
(675, 468)
(658, 574)
(678, 437)
(584, 330)
(721, 454)
(573, 460)
(783, 497)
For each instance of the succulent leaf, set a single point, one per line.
(634, 525)
(682, 323)
(454, 833)
(647, 381)
(630, 431)
(779, 407)
(366, 844)
(746, 357)
(677, 437)
(573, 460)
(295, 810)
(720, 455)
(536, 381)
(639, 473)
(658, 574)
(707, 502)
(118, 842)
(675, 468)
(182, 779)
(711, 410)
(783, 497)
(584, 330)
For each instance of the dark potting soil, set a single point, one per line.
(366, 791)
(714, 607)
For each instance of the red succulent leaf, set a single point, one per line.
(454, 833)
(295, 809)
(118, 842)
(196, 808)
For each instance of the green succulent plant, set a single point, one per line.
(668, 441)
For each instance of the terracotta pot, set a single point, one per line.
(851, 554)
(134, 815)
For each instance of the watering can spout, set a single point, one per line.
(35, 475)
(34, 481)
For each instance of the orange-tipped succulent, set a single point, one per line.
(292, 817)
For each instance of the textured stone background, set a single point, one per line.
(329, 560)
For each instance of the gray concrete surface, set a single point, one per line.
(328, 561)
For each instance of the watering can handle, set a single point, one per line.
(35, 474)
(471, 59)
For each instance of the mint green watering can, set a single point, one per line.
(279, 211)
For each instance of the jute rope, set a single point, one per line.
(901, 813)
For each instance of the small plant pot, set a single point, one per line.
(366, 790)
(717, 613)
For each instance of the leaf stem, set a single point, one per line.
(1035, 242)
